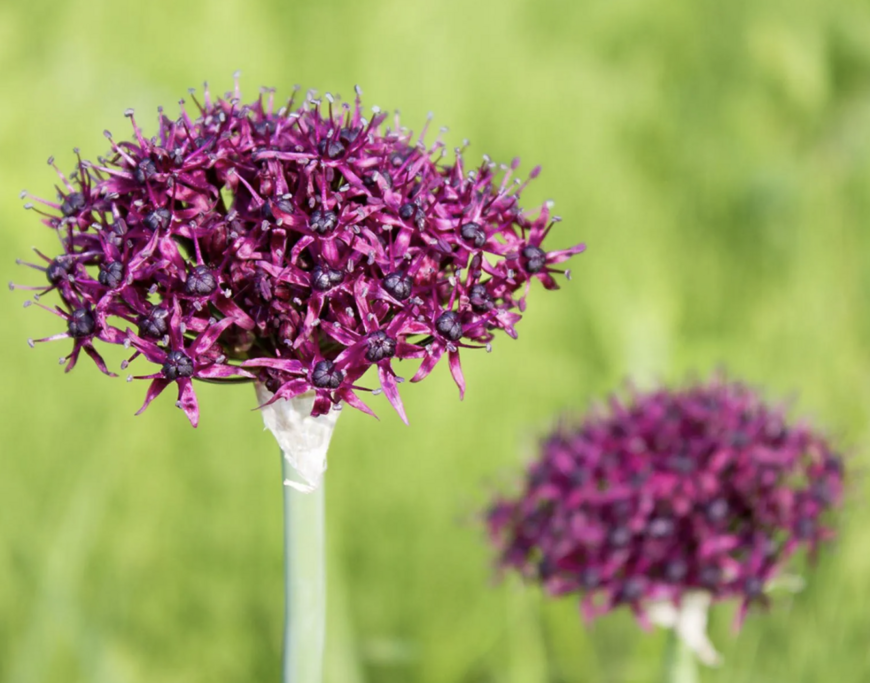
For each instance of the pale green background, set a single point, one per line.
(714, 155)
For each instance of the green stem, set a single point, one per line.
(681, 664)
(304, 583)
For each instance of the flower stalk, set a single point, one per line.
(304, 440)
(681, 664)
(304, 583)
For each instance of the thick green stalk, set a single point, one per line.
(304, 583)
(681, 664)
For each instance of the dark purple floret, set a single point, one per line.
(154, 325)
(324, 279)
(473, 233)
(326, 376)
(672, 492)
(717, 510)
(158, 219)
(398, 285)
(333, 149)
(200, 282)
(81, 323)
(263, 239)
(57, 270)
(380, 346)
(479, 298)
(72, 204)
(111, 274)
(534, 259)
(323, 222)
(145, 170)
(177, 365)
(449, 325)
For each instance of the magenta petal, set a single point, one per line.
(285, 364)
(391, 391)
(353, 400)
(207, 339)
(154, 390)
(97, 358)
(187, 400)
(222, 371)
(428, 364)
(456, 371)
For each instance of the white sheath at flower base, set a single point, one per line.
(689, 622)
(302, 438)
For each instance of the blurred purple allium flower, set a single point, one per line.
(701, 489)
(297, 248)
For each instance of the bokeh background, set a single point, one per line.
(715, 156)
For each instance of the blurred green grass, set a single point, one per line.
(714, 156)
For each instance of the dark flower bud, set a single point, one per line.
(406, 211)
(717, 510)
(81, 323)
(158, 219)
(533, 259)
(620, 536)
(590, 577)
(834, 464)
(659, 527)
(348, 135)
(805, 528)
(740, 439)
(709, 576)
(397, 159)
(546, 568)
(753, 587)
(380, 346)
(119, 227)
(334, 149)
(111, 274)
(449, 325)
(323, 222)
(145, 170)
(479, 298)
(155, 324)
(473, 233)
(324, 279)
(676, 570)
(72, 204)
(681, 462)
(176, 365)
(57, 270)
(264, 128)
(284, 206)
(398, 285)
(200, 282)
(326, 376)
(370, 180)
(331, 149)
(631, 590)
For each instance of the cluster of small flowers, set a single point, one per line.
(297, 248)
(705, 488)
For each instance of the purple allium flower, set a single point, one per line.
(701, 489)
(296, 247)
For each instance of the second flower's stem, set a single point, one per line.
(304, 583)
(681, 665)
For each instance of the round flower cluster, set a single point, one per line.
(296, 247)
(705, 488)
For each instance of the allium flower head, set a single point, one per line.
(674, 492)
(296, 247)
